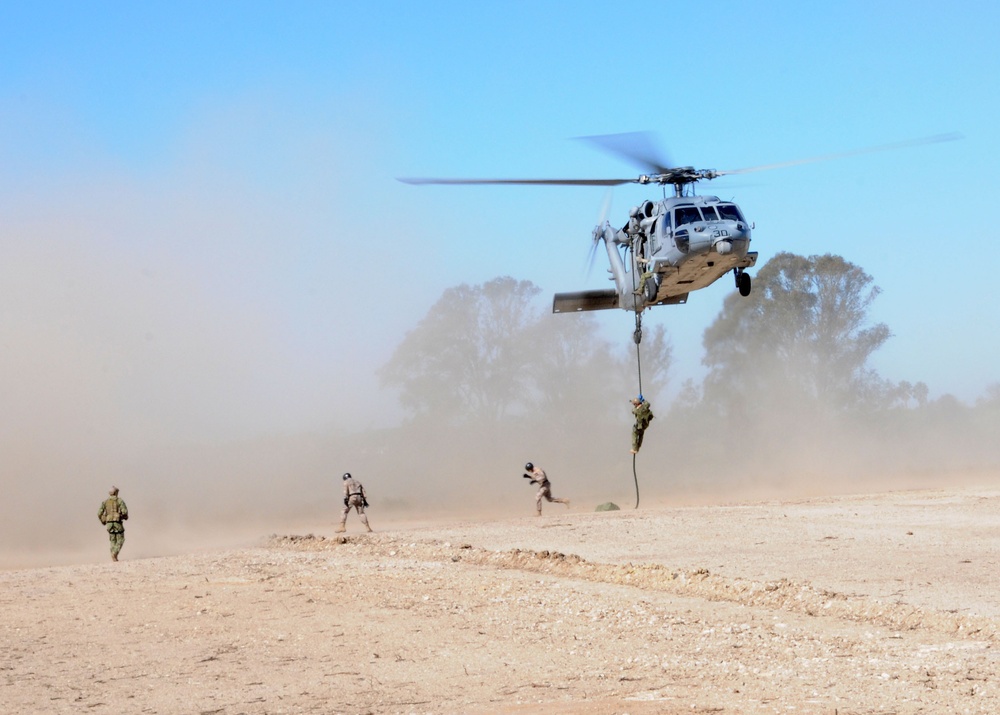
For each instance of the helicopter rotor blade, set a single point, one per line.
(602, 219)
(639, 148)
(844, 154)
(591, 255)
(605, 207)
(530, 182)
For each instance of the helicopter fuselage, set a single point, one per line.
(671, 247)
(667, 249)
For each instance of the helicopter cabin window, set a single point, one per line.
(709, 212)
(730, 212)
(686, 214)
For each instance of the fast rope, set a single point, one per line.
(637, 337)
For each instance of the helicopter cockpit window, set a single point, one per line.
(686, 214)
(730, 212)
(709, 212)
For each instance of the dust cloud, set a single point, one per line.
(156, 337)
(187, 496)
(73, 427)
(175, 328)
(107, 381)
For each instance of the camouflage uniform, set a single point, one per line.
(112, 513)
(354, 496)
(643, 416)
(539, 477)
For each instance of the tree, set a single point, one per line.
(572, 369)
(578, 376)
(486, 352)
(655, 361)
(801, 335)
(469, 355)
(990, 399)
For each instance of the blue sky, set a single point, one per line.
(201, 234)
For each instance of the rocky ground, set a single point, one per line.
(863, 604)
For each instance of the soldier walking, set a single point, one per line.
(538, 476)
(112, 513)
(354, 496)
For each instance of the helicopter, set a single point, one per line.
(672, 246)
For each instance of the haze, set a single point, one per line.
(205, 256)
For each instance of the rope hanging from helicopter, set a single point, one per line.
(637, 338)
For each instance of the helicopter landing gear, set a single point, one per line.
(650, 287)
(743, 282)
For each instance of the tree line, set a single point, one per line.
(789, 389)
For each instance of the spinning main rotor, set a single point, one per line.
(639, 149)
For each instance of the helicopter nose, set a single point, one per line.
(734, 238)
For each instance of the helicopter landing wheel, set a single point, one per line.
(743, 282)
(650, 289)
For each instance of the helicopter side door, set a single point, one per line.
(659, 237)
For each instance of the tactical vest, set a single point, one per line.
(111, 512)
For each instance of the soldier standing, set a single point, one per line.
(112, 513)
(538, 476)
(643, 416)
(354, 496)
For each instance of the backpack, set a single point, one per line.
(111, 512)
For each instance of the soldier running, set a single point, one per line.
(112, 513)
(354, 496)
(538, 476)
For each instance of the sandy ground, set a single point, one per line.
(880, 603)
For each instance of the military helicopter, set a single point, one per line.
(672, 246)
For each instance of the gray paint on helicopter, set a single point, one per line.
(673, 246)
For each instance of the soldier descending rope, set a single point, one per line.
(643, 416)
(640, 408)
